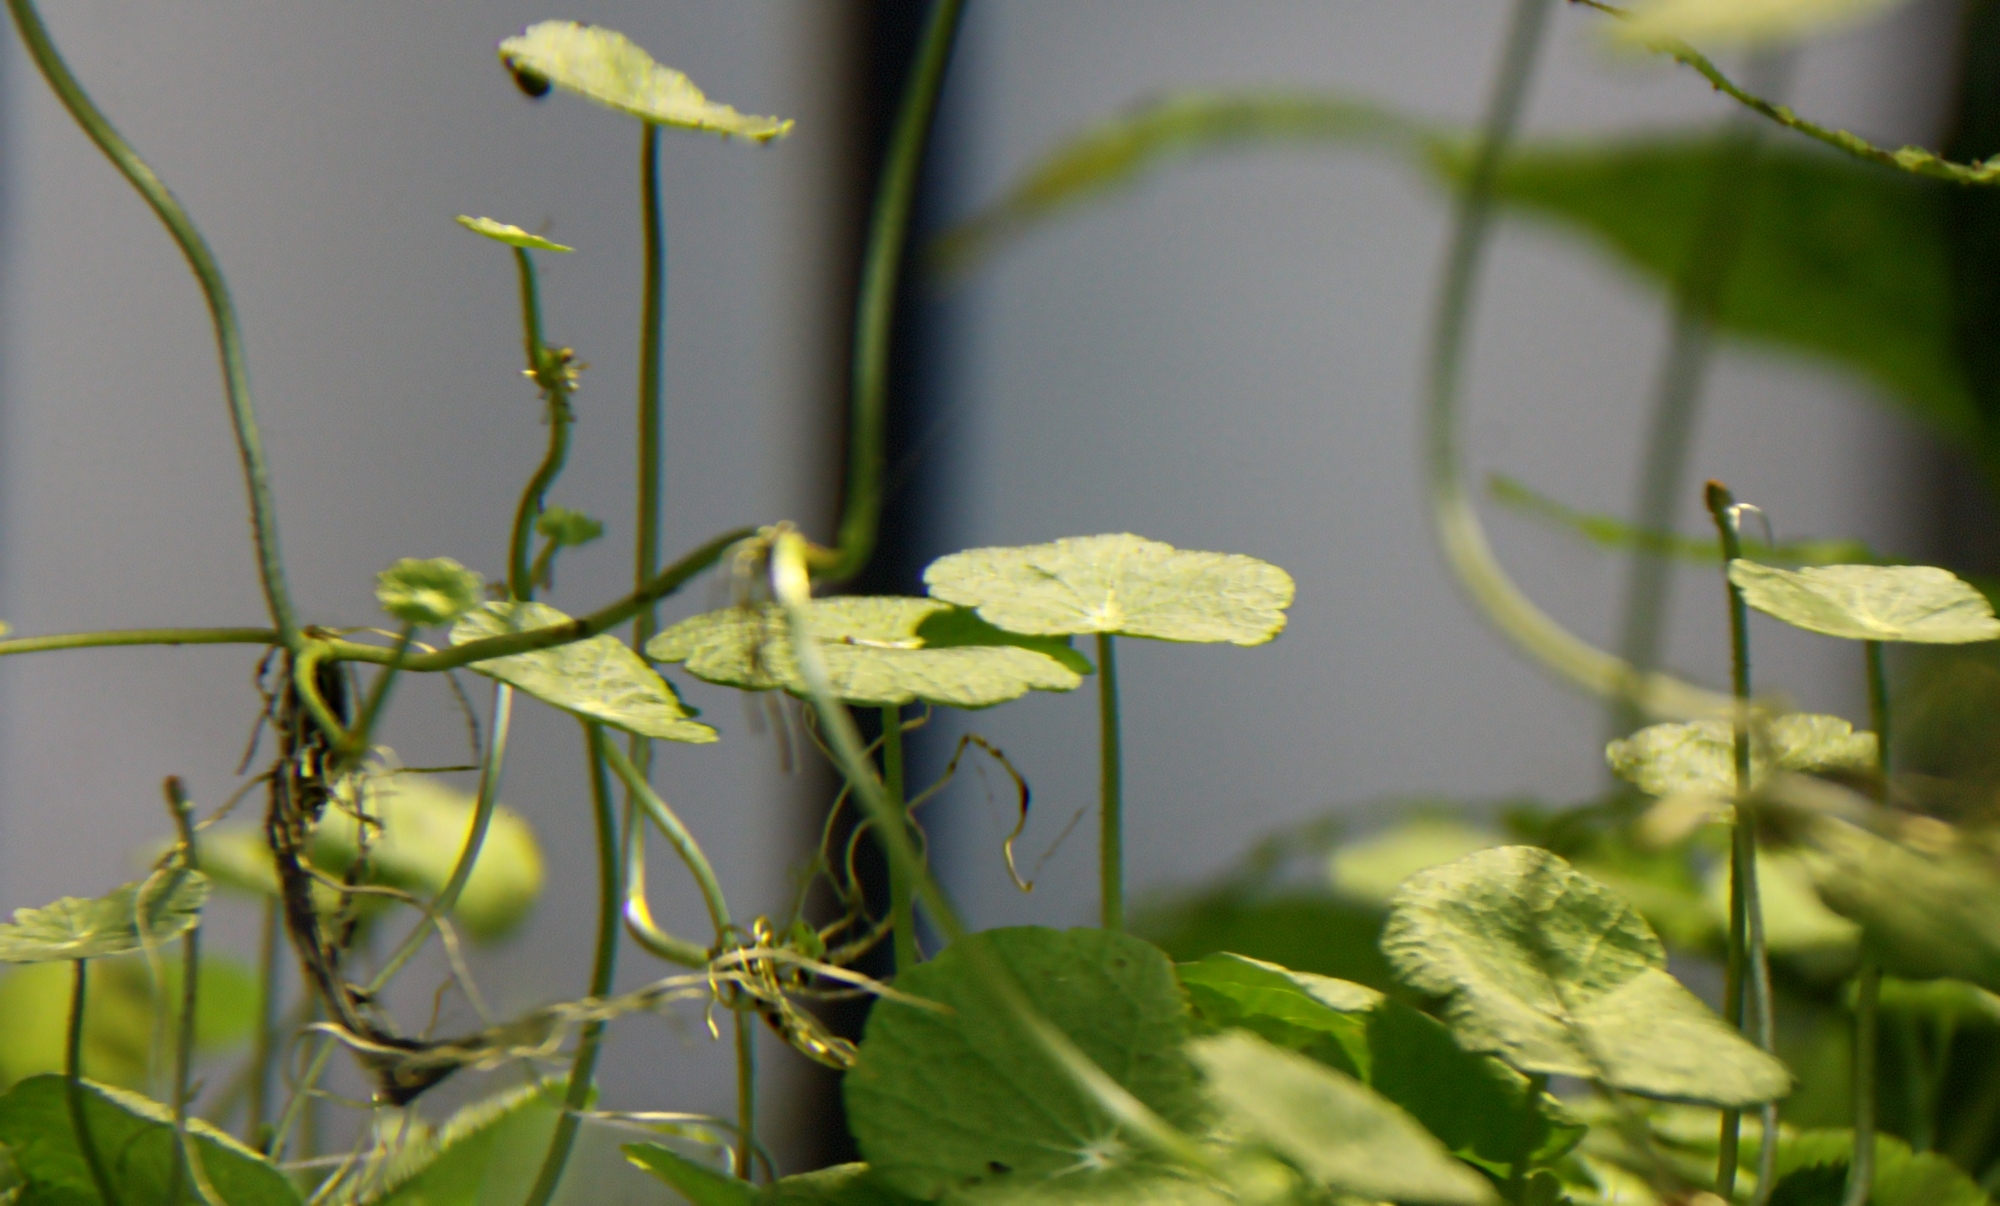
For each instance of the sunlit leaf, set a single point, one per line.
(611, 69)
(1917, 603)
(142, 914)
(1119, 584)
(1699, 757)
(1741, 22)
(877, 651)
(436, 591)
(949, 1101)
(486, 1152)
(1340, 1133)
(698, 1183)
(513, 236)
(1548, 969)
(1370, 870)
(135, 1138)
(599, 679)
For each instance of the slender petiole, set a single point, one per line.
(552, 375)
(902, 893)
(1868, 977)
(183, 817)
(79, 1119)
(746, 1089)
(652, 355)
(1111, 790)
(676, 833)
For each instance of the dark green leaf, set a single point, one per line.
(1299, 930)
(145, 913)
(1311, 1014)
(698, 1183)
(135, 1138)
(1902, 1177)
(944, 1101)
(952, 627)
(488, 1151)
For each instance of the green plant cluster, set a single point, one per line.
(1454, 1014)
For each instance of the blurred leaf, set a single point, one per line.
(567, 528)
(1741, 22)
(598, 679)
(840, 1185)
(1699, 757)
(1549, 970)
(436, 591)
(1119, 584)
(1902, 1177)
(119, 1027)
(1370, 870)
(1341, 1134)
(488, 1151)
(952, 1101)
(147, 912)
(1316, 1015)
(1610, 532)
(136, 1139)
(1796, 921)
(1953, 1002)
(513, 236)
(1313, 932)
(698, 1183)
(876, 649)
(1917, 603)
(607, 67)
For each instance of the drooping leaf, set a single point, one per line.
(1699, 757)
(1902, 1177)
(599, 679)
(950, 1101)
(1741, 22)
(1340, 1133)
(145, 913)
(1551, 971)
(513, 236)
(1369, 871)
(698, 1183)
(136, 1141)
(487, 1151)
(609, 68)
(1319, 1016)
(877, 651)
(840, 1185)
(1121, 584)
(436, 591)
(1918, 603)
(1611, 532)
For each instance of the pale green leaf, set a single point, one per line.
(1796, 920)
(1340, 1133)
(1552, 972)
(599, 678)
(1699, 758)
(1741, 22)
(126, 1004)
(698, 1183)
(1369, 871)
(487, 1151)
(609, 68)
(948, 1101)
(436, 591)
(136, 1139)
(1120, 584)
(1917, 603)
(876, 649)
(142, 914)
(513, 236)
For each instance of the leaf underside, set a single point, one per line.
(609, 68)
(1916, 603)
(145, 913)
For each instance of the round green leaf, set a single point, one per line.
(950, 1101)
(878, 652)
(1120, 584)
(513, 236)
(1919, 603)
(1340, 1133)
(599, 678)
(145, 913)
(1699, 758)
(609, 68)
(1551, 971)
(436, 591)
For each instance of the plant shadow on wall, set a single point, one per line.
(1455, 1014)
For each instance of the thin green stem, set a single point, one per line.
(305, 678)
(643, 795)
(1110, 790)
(1867, 1013)
(222, 311)
(182, 812)
(551, 374)
(902, 893)
(746, 1090)
(378, 694)
(264, 1044)
(638, 910)
(79, 1118)
(1878, 710)
(652, 355)
(604, 966)
(875, 310)
(141, 636)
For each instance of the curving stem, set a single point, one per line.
(552, 375)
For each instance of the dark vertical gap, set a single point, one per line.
(882, 47)
(1969, 520)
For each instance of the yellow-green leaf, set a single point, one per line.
(598, 678)
(607, 67)
(1919, 603)
(141, 914)
(1742, 22)
(1120, 584)
(1699, 758)
(877, 652)
(435, 591)
(513, 236)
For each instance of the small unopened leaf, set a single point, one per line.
(1919, 603)
(568, 528)
(1742, 22)
(436, 591)
(1551, 971)
(1699, 758)
(1340, 1133)
(599, 678)
(142, 914)
(513, 236)
(952, 1100)
(698, 1183)
(877, 652)
(609, 68)
(1120, 584)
